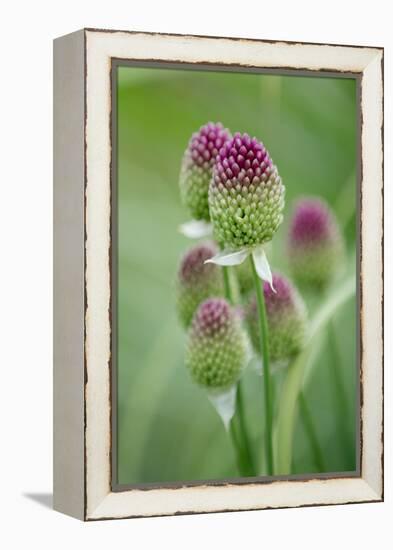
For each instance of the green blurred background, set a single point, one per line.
(167, 429)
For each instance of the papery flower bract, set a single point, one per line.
(286, 319)
(197, 165)
(315, 243)
(197, 281)
(246, 201)
(217, 349)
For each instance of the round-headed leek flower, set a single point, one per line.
(246, 200)
(286, 319)
(197, 281)
(196, 173)
(315, 243)
(217, 349)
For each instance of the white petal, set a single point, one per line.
(262, 266)
(225, 403)
(229, 257)
(196, 229)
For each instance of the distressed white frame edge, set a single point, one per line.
(101, 503)
(69, 282)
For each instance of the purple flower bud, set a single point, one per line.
(212, 317)
(246, 196)
(217, 346)
(315, 243)
(197, 281)
(286, 318)
(196, 169)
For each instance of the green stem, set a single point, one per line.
(342, 412)
(227, 285)
(264, 349)
(243, 429)
(241, 460)
(336, 372)
(243, 442)
(299, 372)
(311, 433)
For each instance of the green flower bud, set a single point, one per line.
(197, 281)
(196, 168)
(315, 243)
(246, 195)
(286, 319)
(217, 348)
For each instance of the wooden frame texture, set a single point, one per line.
(83, 256)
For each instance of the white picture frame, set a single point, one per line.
(82, 257)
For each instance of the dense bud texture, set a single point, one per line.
(197, 281)
(315, 244)
(197, 165)
(217, 346)
(246, 195)
(286, 318)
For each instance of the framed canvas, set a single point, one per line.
(218, 274)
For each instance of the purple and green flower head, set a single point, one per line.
(217, 349)
(286, 319)
(246, 200)
(197, 166)
(197, 280)
(315, 243)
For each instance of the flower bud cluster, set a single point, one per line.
(315, 243)
(246, 195)
(217, 345)
(197, 281)
(286, 318)
(196, 168)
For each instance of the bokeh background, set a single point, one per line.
(167, 429)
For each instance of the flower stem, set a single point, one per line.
(235, 443)
(247, 467)
(227, 285)
(243, 430)
(336, 372)
(311, 433)
(342, 411)
(300, 371)
(264, 349)
(241, 459)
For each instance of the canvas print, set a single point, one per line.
(236, 275)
